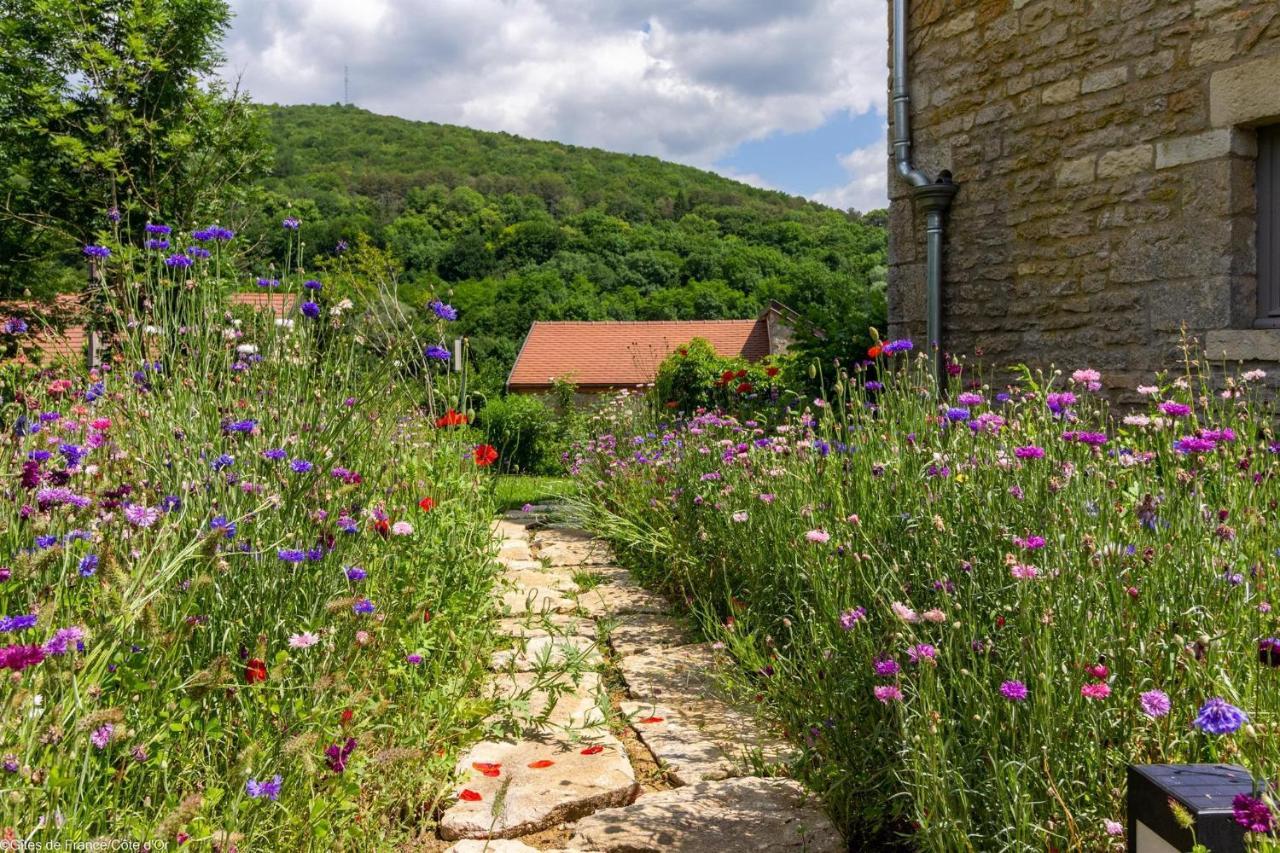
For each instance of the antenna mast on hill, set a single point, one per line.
(346, 86)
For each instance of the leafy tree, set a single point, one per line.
(110, 104)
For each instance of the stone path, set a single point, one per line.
(614, 733)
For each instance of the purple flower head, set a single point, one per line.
(355, 573)
(88, 565)
(438, 353)
(114, 214)
(922, 652)
(225, 526)
(1155, 703)
(1175, 410)
(1029, 452)
(904, 345)
(198, 252)
(10, 624)
(957, 414)
(224, 460)
(336, 756)
(1219, 717)
(885, 667)
(1014, 691)
(15, 326)
(1269, 651)
(141, 516)
(292, 555)
(157, 245)
(153, 228)
(18, 658)
(443, 311)
(309, 309)
(269, 789)
(97, 252)
(1059, 401)
(275, 454)
(1253, 814)
(1194, 444)
(291, 223)
(300, 466)
(852, 617)
(312, 284)
(363, 607)
(414, 659)
(101, 736)
(63, 640)
(178, 260)
(268, 282)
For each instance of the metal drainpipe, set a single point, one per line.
(934, 197)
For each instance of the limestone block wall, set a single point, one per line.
(1105, 151)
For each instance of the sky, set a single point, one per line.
(783, 94)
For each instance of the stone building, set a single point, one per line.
(1118, 164)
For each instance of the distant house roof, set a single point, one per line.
(620, 354)
(281, 303)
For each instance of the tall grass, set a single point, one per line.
(223, 540)
(961, 610)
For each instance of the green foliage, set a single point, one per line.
(695, 377)
(108, 104)
(524, 431)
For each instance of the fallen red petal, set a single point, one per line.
(651, 720)
(541, 764)
(490, 770)
(593, 750)
(470, 796)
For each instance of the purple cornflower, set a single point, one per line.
(153, 228)
(178, 260)
(300, 466)
(885, 667)
(443, 311)
(355, 573)
(9, 624)
(336, 756)
(1219, 717)
(1175, 410)
(414, 659)
(309, 309)
(1193, 444)
(957, 414)
(852, 617)
(63, 639)
(363, 607)
(244, 427)
(969, 398)
(88, 565)
(224, 460)
(102, 735)
(46, 541)
(291, 223)
(198, 252)
(921, 652)
(18, 658)
(903, 345)
(1029, 452)
(223, 524)
(438, 353)
(312, 284)
(15, 326)
(97, 252)
(347, 524)
(268, 282)
(1155, 703)
(292, 555)
(141, 516)
(275, 454)
(1252, 813)
(157, 245)
(1014, 691)
(114, 214)
(269, 789)
(887, 693)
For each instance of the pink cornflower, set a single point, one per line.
(141, 516)
(887, 693)
(905, 613)
(1089, 378)
(305, 640)
(1029, 452)
(922, 651)
(1095, 690)
(102, 735)
(402, 528)
(1014, 691)
(1155, 703)
(818, 536)
(739, 517)
(1023, 572)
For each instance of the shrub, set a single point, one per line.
(524, 429)
(972, 612)
(695, 377)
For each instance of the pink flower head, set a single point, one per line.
(887, 693)
(1023, 572)
(1095, 690)
(402, 528)
(1155, 703)
(818, 536)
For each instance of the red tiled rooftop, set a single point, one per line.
(281, 303)
(617, 354)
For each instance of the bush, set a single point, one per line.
(972, 610)
(524, 429)
(694, 377)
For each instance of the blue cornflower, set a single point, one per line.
(71, 453)
(39, 455)
(48, 417)
(443, 311)
(178, 260)
(221, 522)
(157, 245)
(8, 624)
(347, 524)
(46, 541)
(300, 466)
(243, 426)
(439, 353)
(898, 346)
(957, 414)
(292, 555)
(312, 284)
(355, 573)
(198, 252)
(224, 460)
(153, 228)
(269, 789)
(1220, 717)
(309, 309)
(88, 565)
(291, 223)
(171, 503)
(363, 606)
(268, 282)
(15, 326)
(315, 554)
(95, 391)
(97, 252)
(275, 454)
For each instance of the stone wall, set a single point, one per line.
(1105, 155)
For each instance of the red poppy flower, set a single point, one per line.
(470, 796)
(382, 527)
(726, 377)
(771, 372)
(255, 670)
(593, 750)
(488, 769)
(540, 764)
(875, 351)
(427, 504)
(426, 615)
(741, 374)
(744, 387)
(347, 714)
(672, 404)
(451, 418)
(485, 455)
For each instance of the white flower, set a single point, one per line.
(1254, 376)
(284, 323)
(1148, 390)
(247, 349)
(305, 640)
(1137, 420)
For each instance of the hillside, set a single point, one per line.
(513, 230)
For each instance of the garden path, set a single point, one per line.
(621, 740)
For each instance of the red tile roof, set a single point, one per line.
(281, 303)
(619, 354)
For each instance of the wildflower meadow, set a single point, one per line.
(243, 587)
(971, 609)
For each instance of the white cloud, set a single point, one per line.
(687, 80)
(868, 184)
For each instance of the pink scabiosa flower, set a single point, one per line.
(1113, 828)
(1023, 572)
(1095, 690)
(304, 640)
(887, 693)
(402, 528)
(1090, 379)
(905, 613)
(141, 516)
(922, 652)
(817, 536)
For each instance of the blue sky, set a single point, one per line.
(788, 95)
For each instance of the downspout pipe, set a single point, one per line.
(932, 196)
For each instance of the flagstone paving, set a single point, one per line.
(665, 763)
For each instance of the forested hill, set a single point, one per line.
(513, 230)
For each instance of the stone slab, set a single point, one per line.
(764, 815)
(685, 754)
(509, 530)
(515, 549)
(590, 553)
(521, 800)
(549, 625)
(578, 703)
(617, 599)
(516, 564)
(491, 845)
(519, 601)
(635, 633)
(534, 653)
(536, 578)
